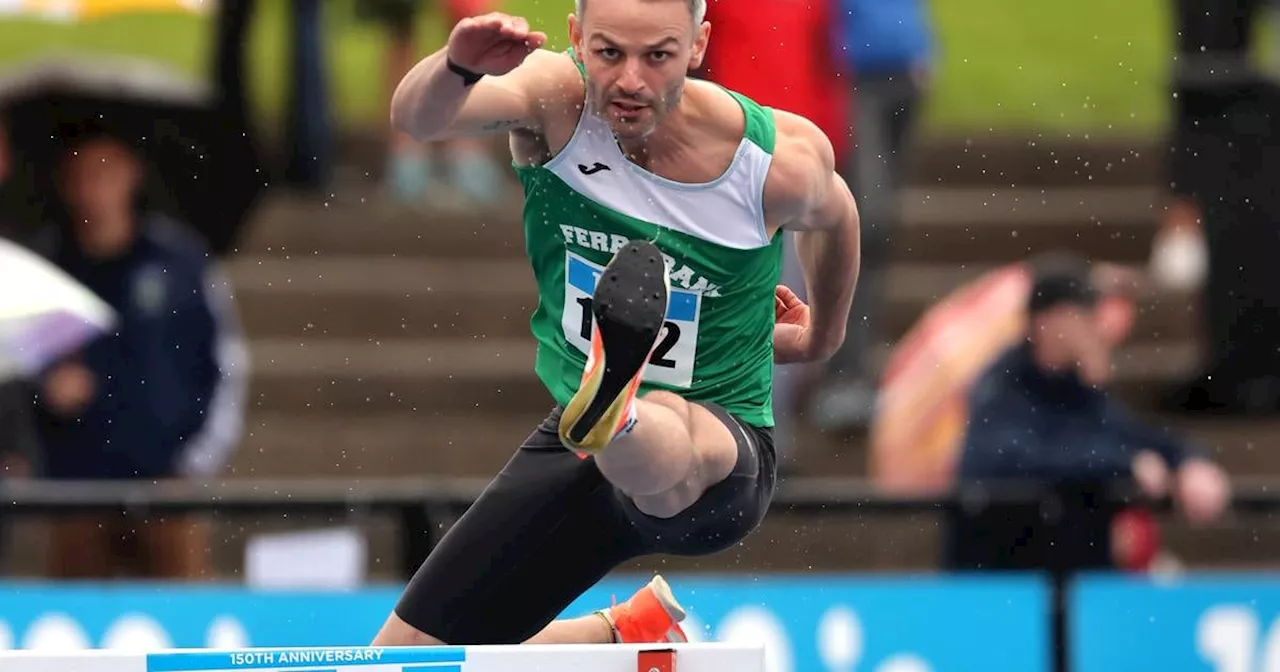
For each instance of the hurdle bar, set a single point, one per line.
(699, 657)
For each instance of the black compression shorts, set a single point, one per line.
(550, 526)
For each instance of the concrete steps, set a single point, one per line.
(356, 297)
(373, 376)
(392, 342)
(997, 161)
(974, 225)
(363, 297)
(477, 443)
(388, 341)
(297, 228)
(991, 159)
(1241, 446)
(1244, 446)
(335, 407)
(350, 375)
(426, 443)
(940, 224)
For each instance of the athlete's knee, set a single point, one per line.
(396, 632)
(672, 402)
(713, 445)
(685, 454)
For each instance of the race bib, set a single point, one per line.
(671, 363)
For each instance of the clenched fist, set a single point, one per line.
(791, 342)
(493, 44)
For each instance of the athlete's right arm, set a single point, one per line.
(433, 102)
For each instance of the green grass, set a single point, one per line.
(1089, 66)
(354, 56)
(1094, 66)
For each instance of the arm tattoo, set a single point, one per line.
(499, 125)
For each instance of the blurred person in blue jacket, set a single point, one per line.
(161, 398)
(886, 49)
(1041, 413)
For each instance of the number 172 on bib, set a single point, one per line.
(671, 363)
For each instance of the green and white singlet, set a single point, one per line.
(589, 200)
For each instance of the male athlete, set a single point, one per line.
(653, 206)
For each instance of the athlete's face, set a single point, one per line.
(637, 54)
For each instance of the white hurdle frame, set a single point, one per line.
(700, 657)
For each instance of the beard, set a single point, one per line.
(633, 117)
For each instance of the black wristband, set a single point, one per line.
(468, 77)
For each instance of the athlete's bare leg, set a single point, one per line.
(585, 630)
(652, 614)
(673, 454)
(660, 450)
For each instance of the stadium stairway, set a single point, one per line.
(389, 342)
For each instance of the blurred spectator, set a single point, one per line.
(308, 136)
(779, 55)
(308, 128)
(915, 437)
(1213, 45)
(1041, 413)
(414, 172)
(886, 46)
(1224, 157)
(163, 397)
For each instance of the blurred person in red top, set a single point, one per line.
(778, 53)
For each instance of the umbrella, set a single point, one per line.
(44, 313)
(915, 436)
(202, 167)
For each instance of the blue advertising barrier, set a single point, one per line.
(1203, 622)
(809, 623)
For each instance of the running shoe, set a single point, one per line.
(630, 306)
(651, 616)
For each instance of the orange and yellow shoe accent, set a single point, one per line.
(651, 616)
(615, 420)
(629, 308)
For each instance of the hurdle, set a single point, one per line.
(699, 657)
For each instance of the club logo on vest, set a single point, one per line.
(593, 169)
(682, 276)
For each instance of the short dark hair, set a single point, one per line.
(698, 8)
(1060, 278)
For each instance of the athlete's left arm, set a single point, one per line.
(816, 203)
